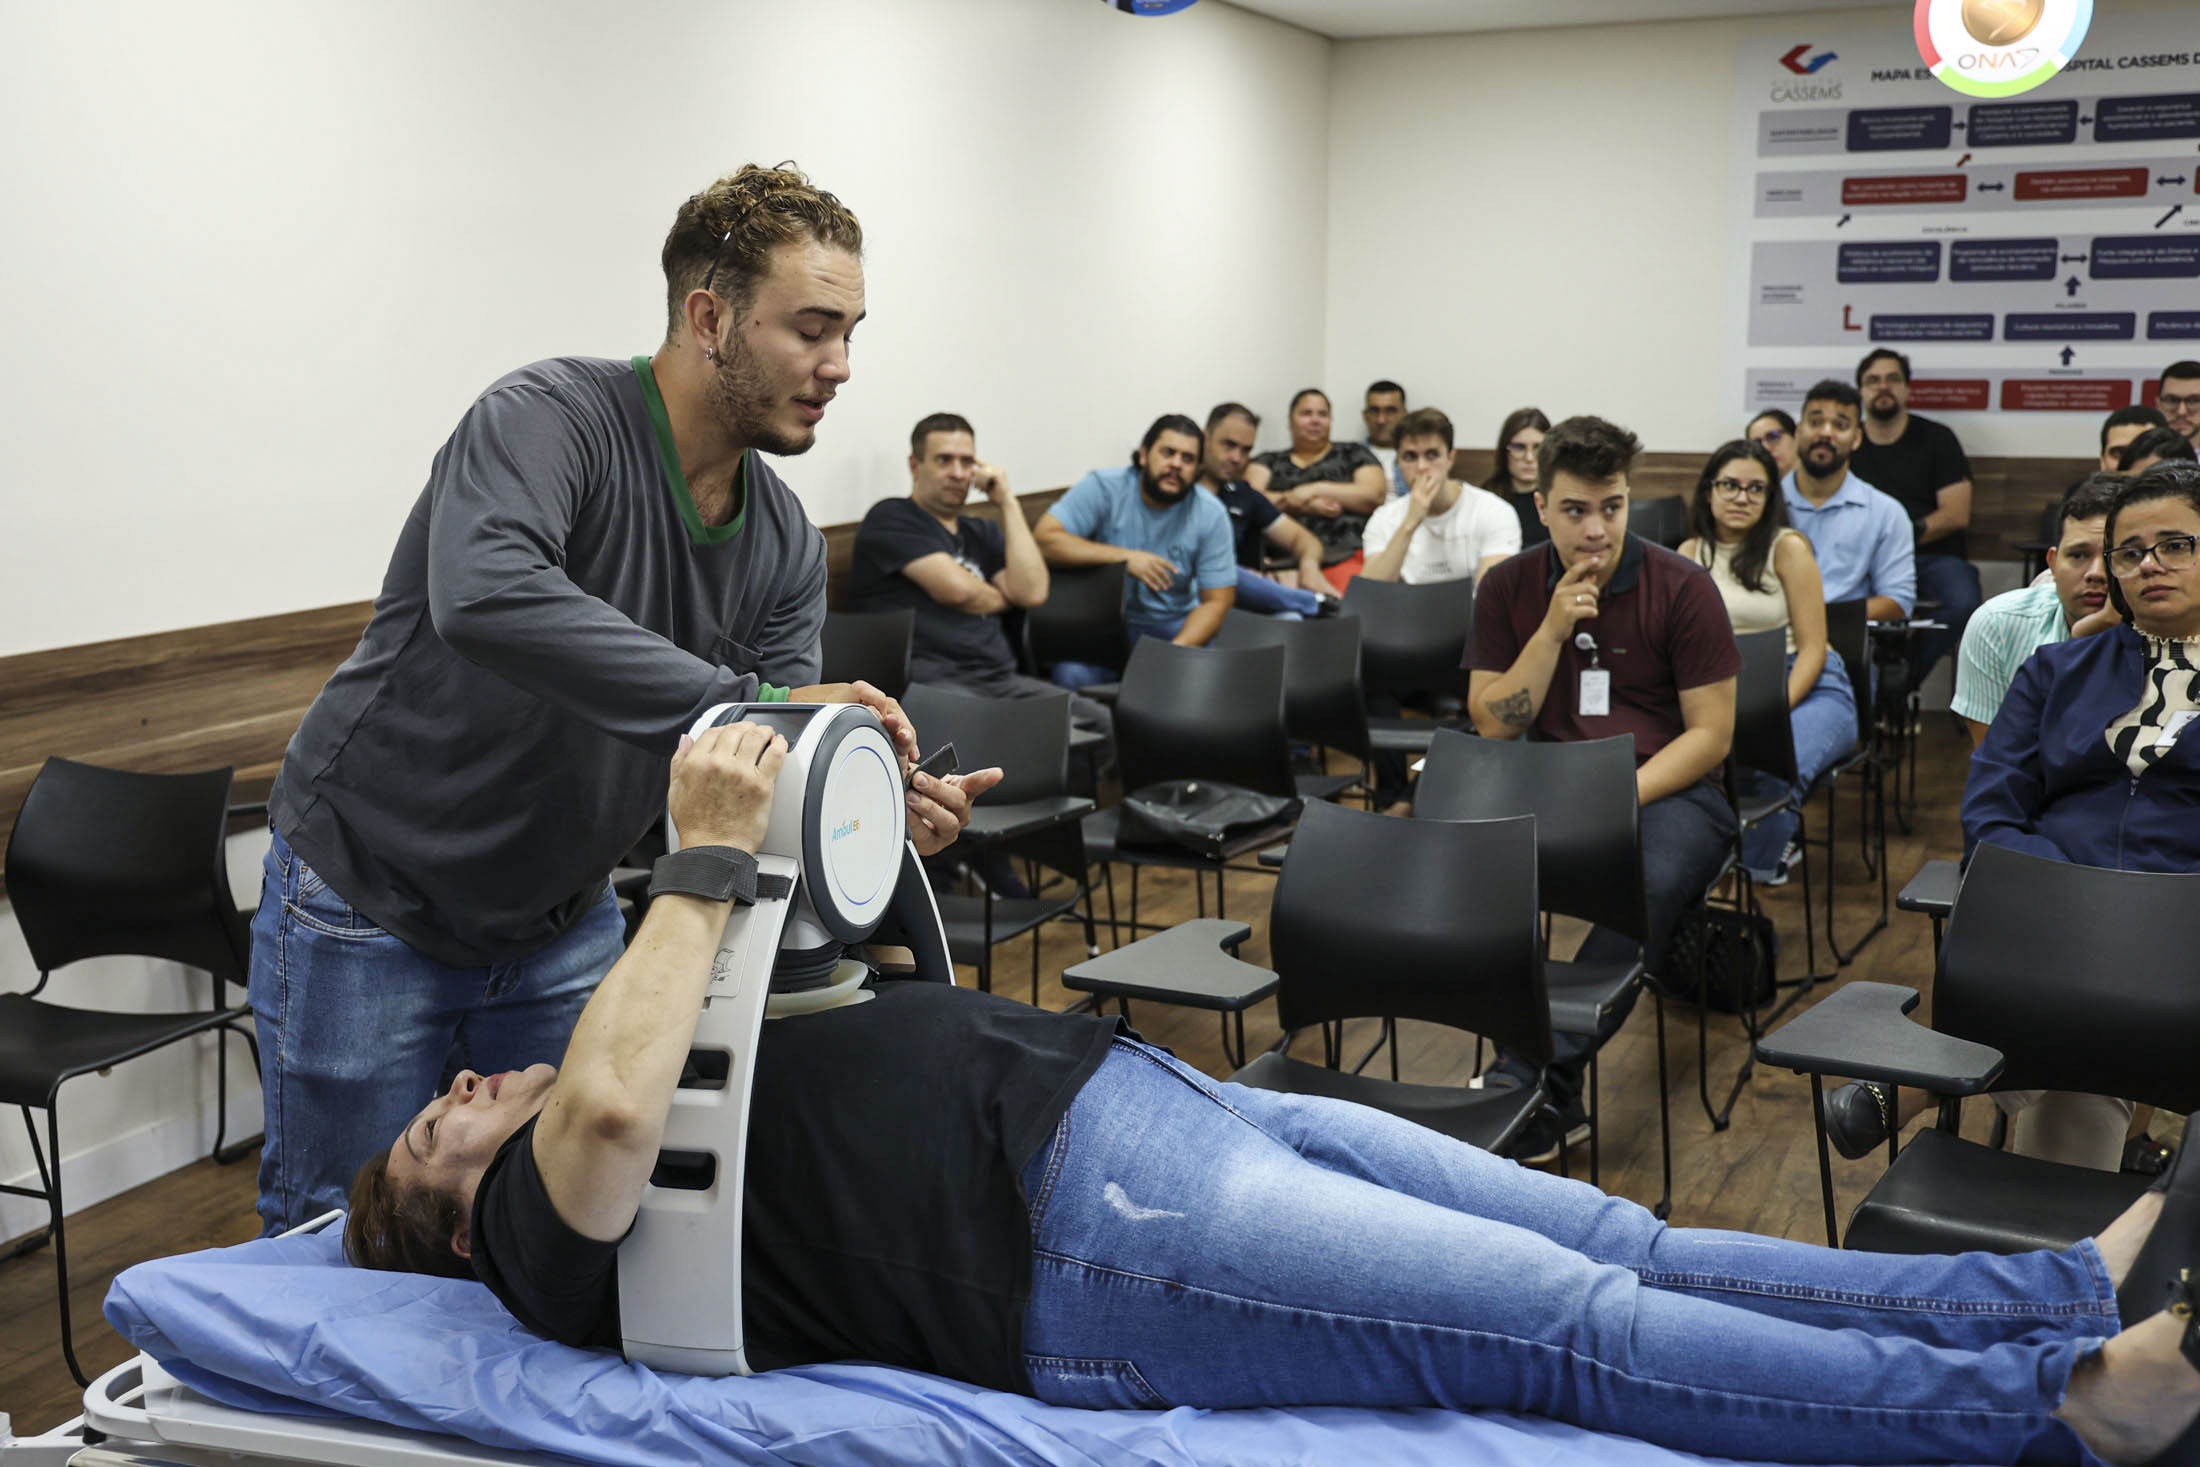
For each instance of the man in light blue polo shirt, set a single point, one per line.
(1175, 543)
(1862, 537)
(2071, 601)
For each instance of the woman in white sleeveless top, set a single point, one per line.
(1769, 579)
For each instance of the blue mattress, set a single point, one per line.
(285, 1325)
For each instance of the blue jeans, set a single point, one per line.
(1953, 582)
(358, 1030)
(1825, 730)
(1074, 675)
(1208, 1245)
(1263, 597)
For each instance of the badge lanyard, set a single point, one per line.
(1595, 700)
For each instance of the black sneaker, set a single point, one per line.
(1859, 1116)
(1538, 1141)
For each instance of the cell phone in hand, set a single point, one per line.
(938, 763)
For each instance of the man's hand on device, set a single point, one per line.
(721, 792)
(889, 712)
(939, 807)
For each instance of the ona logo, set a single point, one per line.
(1998, 48)
(847, 828)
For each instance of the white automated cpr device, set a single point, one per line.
(835, 869)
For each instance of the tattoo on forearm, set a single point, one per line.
(1514, 710)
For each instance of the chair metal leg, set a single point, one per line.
(1664, 1209)
(1810, 926)
(235, 1151)
(31, 1242)
(1825, 1157)
(1115, 929)
(50, 1181)
(1596, 1125)
(1872, 823)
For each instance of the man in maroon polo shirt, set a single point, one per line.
(1600, 633)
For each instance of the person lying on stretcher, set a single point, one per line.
(955, 1182)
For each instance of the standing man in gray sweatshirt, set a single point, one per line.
(599, 555)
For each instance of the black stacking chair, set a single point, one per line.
(1413, 644)
(1030, 816)
(2035, 550)
(105, 862)
(1660, 521)
(1410, 919)
(1848, 632)
(1080, 621)
(1588, 845)
(868, 646)
(2053, 977)
(1323, 703)
(1195, 713)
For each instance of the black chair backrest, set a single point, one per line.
(1764, 737)
(1323, 702)
(1027, 737)
(1660, 521)
(2051, 521)
(1413, 639)
(1203, 713)
(1588, 834)
(868, 646)
(1848, 632)
(1412, 919)
(2084, 978)
(109, 861)
(1081, 620)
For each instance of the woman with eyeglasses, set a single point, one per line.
(1774, 431)
(1765, 571)
(2091, 758)
(1513, 480)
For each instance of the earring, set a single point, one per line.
(710, 353)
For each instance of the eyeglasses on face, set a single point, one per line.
(1521, 450)
(1770, 435)
(2177, 402)
(1737, 489)
(2171, 553)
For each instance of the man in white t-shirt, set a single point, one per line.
(1441, 529)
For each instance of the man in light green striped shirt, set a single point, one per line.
(2071, 600)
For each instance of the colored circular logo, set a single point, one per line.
(1998, 48)
(1151, 7)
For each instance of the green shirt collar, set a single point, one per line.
(668, 454)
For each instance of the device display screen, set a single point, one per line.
(788, 720)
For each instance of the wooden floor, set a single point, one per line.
(1760, 1175)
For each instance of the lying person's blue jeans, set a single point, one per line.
(1825, 731)
(358, 1030)
(1263, 597)
(1289, 1250)
(1075, 675)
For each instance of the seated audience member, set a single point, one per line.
(953, 1182)
(1149, 516)
(1331, 487)
(2118, 430)
(2177, 394)
(1661, 666)
(1442, 530)
(1921, 465)
(1860, 536)
(2071, 602)
(1769, 579)
(1519, 440)
(1774, 431)
(957, 572)
(2155, 446)
(1383, 406)
(1256, 524)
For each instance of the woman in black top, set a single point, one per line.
(1513, 479)
(1332, 487)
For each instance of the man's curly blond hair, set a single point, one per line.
(723, 237)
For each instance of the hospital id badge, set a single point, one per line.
(2174, 727)
(1596, 693)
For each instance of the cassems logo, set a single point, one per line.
(847, 828)
(1998, 48)
(1798, 61)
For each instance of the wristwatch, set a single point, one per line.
(718, 873)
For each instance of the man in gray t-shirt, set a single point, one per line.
(599, 556)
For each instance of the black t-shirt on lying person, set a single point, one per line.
(883, 1217)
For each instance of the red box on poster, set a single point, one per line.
(1951, 394)
(2083, 183)
(1915, 188)
(2065, 395)
(2150, 392)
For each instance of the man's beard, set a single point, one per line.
(1885, 414)
(1154, 490)
(742, 402)
(1826, 470)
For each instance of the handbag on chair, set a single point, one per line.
(1198, 815)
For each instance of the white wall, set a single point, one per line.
(1542, 217)
(261, 254)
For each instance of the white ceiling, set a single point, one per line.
(1353, 19)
